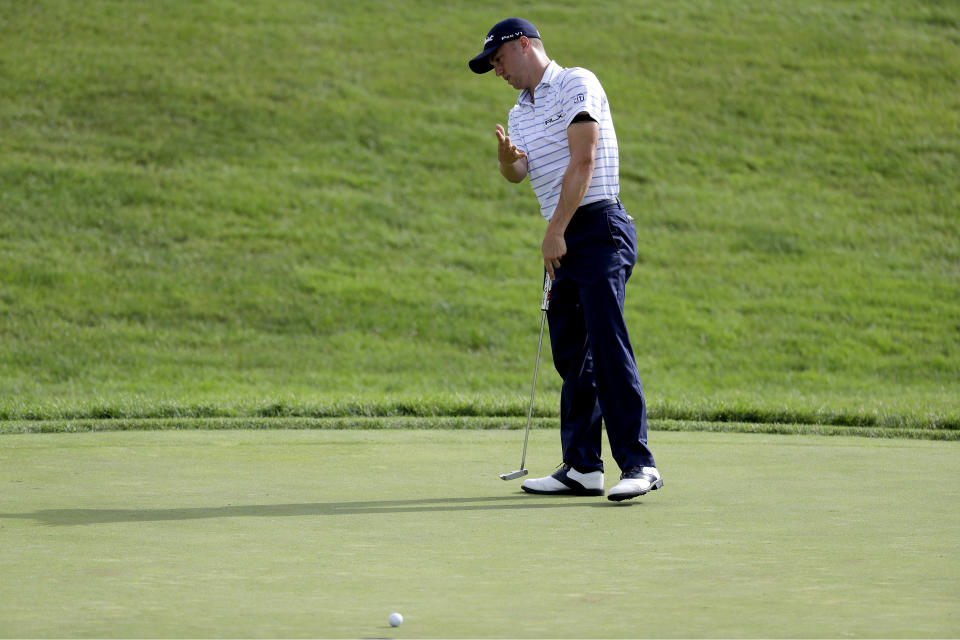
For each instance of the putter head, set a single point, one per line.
(513, 475)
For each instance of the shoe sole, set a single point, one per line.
(567, 492)
(619, 497)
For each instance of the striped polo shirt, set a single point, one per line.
(539, 127)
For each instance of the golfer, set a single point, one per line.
(560, 134)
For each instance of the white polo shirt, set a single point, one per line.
(539, 127)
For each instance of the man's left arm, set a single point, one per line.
(582, 139)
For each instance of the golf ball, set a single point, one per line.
(395, 619)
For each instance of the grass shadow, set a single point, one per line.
(73, 517)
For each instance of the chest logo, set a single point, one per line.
(553, 118)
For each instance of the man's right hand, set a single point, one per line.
(506, 152)
(513, 161)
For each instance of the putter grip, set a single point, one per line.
(547, 285)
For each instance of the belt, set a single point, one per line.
(599, 205)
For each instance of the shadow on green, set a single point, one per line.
(72, 517)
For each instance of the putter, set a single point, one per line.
(544, 305)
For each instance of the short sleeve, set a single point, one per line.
(581, 92)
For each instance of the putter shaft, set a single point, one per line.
(544, 306)
(533, 391)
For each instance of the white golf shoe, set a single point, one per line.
(636, 482)
(566, 481)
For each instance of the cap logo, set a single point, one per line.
(487, 40)
(511, 36)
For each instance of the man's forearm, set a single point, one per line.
(582, 139)
(515, 172)
(576, 181)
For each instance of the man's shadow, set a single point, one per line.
(72, 517)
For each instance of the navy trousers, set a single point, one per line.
(590, 344)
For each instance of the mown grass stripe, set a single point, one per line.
(445, 422)
(466, 409)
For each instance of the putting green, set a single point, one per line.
(325, 533)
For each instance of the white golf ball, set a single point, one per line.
(395, 619)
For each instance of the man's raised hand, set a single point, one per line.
(507, 153)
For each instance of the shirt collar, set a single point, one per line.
(549, 76)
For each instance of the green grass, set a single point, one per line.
(324, 533)
(230, 205)
(453, 411)
(469, 416)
